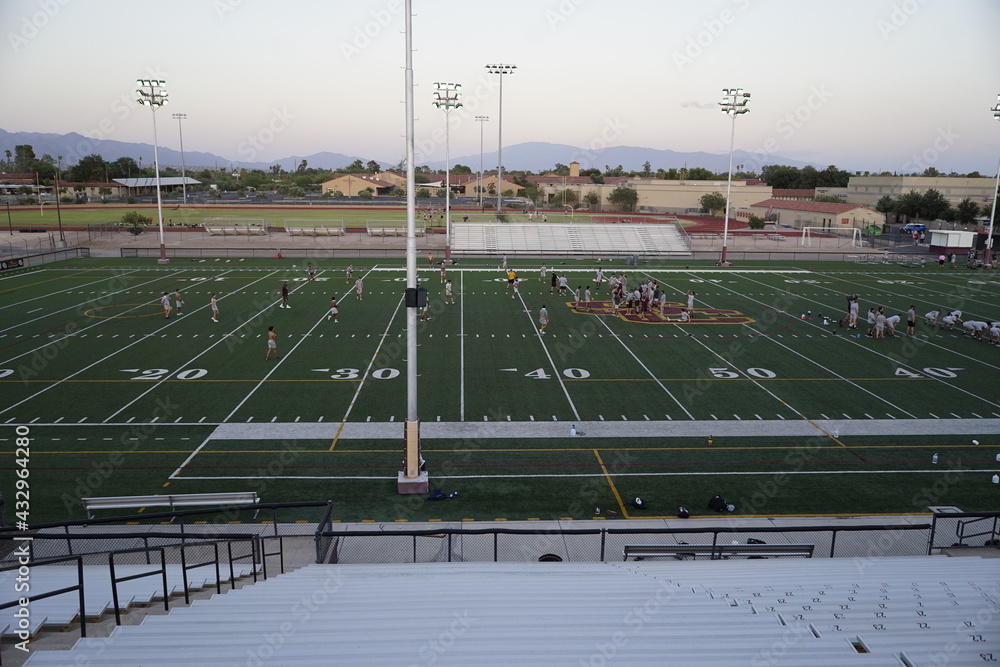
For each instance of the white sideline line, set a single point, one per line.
(97, 323)
(192, 359)
(461, 350)
(978, 361)
(117, 275)
(279, 361)
(604, 475)
(552, 362)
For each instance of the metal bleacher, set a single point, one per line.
(63, 610)
(655, 240)
(906, 611)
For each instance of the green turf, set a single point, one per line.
(116, 399)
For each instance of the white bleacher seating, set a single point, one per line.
(62, 610)
(750, 612)
(570, 239)
(173, 501)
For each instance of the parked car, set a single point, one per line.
(911, 227)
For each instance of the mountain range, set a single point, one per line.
(536, 156)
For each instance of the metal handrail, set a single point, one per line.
(41, 596)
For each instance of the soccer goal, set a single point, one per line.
(842, 236)
(236, 226)
(322, 227)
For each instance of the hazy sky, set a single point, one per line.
(863, 84)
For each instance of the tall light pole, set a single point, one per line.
(988, 251)
(481, 119)
(500, 69)
(62, 237)
(446, 97)
(184, 191)
(153, 93)
(734, 103)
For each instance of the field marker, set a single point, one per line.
(645, 368)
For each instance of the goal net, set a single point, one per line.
(839, 237)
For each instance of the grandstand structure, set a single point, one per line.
(308, 227)
(611, 240)
(898, 611)
(235, 227)
(391, 228)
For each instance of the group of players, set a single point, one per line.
(880, 325)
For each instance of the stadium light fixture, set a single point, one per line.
(502, 70)
(481, 120)
(153, 93)
(184, 190)
(988, 251)
(446, 97)
(734, 103)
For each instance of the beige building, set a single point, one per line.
(867, 190)
(352, 184)
(799, 214)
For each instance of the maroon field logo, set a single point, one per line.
(671, 313)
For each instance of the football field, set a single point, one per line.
(763, 397)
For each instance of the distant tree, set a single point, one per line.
(700, 174)
(133, 222)
(886, 204)
(592, 199)
(560, 169)
(780, 176)
(302, 167)
(950, 214)
(756, 222)
(594, 175)
(967, 211)
(397, 192)
(933, 204)
(647, 169)
(89, 168)
(713, 202)
(624, 198)
(564, 197)
(423, 193)
(104, 191)
(356, 167)
(909, 204)
(296, 191)
(461, 169)
(440, 193)
(931, 172)
(367, 194)
(617, 171)
(973, 174)
(373, 167)
(828, 199)
(24, 158)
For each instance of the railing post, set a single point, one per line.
(114, 589)
(604, 533)
(833, 541)
(83, 608)
(495, 536)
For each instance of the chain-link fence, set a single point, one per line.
(392, 545)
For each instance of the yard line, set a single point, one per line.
(192, 359)
(48, 294)
(461, 349)
(645, 368)
(944, 295)
(902, 365)
(368, 370)
(739, 473)
(85, 368)
(838, 375)
(56, 312)
(545, 349)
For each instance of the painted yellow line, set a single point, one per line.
(42, 282)
(611, 483)
(486, 451)
(704, 379)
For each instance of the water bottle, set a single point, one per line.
(934, 459)
(572, 430)
(996, 479)
(836, 433)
